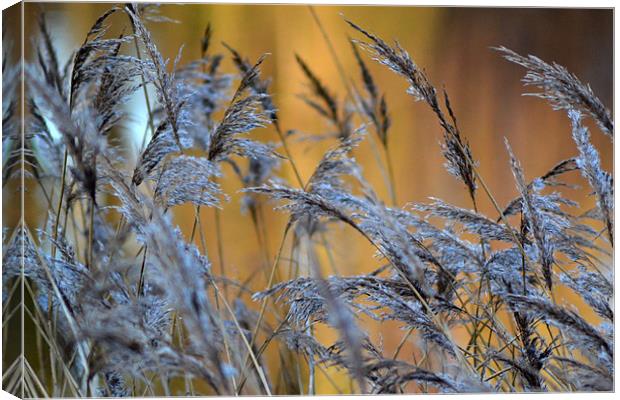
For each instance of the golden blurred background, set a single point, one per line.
(453, 45)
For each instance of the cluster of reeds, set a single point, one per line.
(123, 303)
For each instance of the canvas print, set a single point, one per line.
(244, 199)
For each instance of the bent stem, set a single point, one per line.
(288, 153)
(251, 354)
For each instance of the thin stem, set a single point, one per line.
(288, 153)
(332, 50)
(146, 94)
(392, 185)
(347, 86)
(62, 194)
(220, 246)
(91, 233)
(402, 343)
(261, 350)
(263, 306)
(251, 354)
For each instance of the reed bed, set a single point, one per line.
(124, 303)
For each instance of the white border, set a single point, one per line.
(479, 3)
